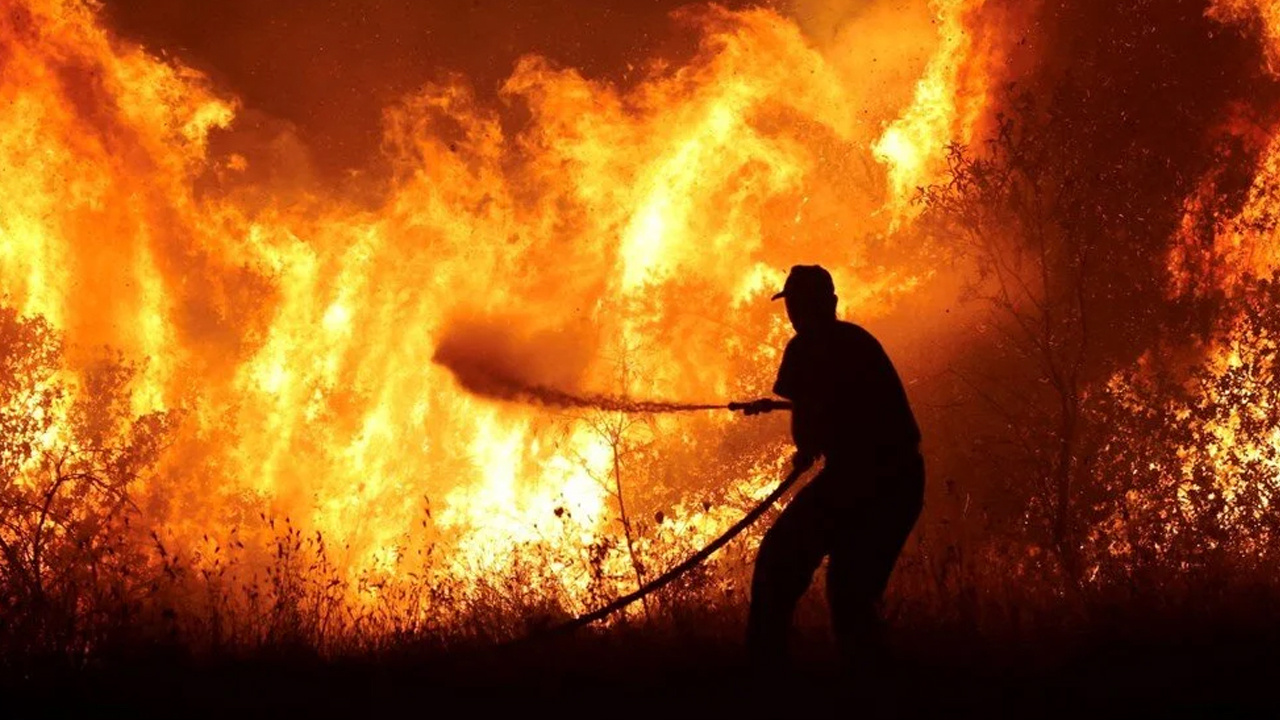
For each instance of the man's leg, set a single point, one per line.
(789, 554)
(855, 582)
(862, 562)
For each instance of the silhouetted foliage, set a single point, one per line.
(1017, 213)
(1193, 462)
(70, 451)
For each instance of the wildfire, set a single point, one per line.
(248, 372)
(204, 371)
(626, 238)
(1206, 480)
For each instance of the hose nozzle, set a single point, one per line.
(757, 407)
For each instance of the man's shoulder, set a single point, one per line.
(852, 332)
(842, 335)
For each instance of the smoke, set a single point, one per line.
(497, 359)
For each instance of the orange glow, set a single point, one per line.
(631, 237)
(1267, 12)
(949, 100)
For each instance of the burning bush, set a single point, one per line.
(1192, 459)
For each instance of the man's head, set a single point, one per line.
(810, 296)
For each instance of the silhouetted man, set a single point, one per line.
(849, 407)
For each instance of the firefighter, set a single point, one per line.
(850, 409)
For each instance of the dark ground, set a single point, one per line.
(1205, 670)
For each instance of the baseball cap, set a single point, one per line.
(807, 280)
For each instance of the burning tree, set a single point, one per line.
(1016, 212)
(70, 452)
(626, 435)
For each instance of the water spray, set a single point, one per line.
(488, 376)
(500, 379)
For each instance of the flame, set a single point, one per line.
(1265, 12)
(1219, 478)
(268, 389)
(949, 100)
(1242, 244)
(631, 235)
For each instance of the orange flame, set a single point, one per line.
(631, 237)
(949, 100)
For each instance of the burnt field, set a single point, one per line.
(344, 350)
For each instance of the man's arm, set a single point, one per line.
(805, 418)
(806, 426)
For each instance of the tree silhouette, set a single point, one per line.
(1016, 212)
(70, 452)
(627, 435)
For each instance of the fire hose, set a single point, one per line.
(750, 408)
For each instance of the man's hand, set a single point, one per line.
(802, 461)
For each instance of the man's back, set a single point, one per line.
(848, 397)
